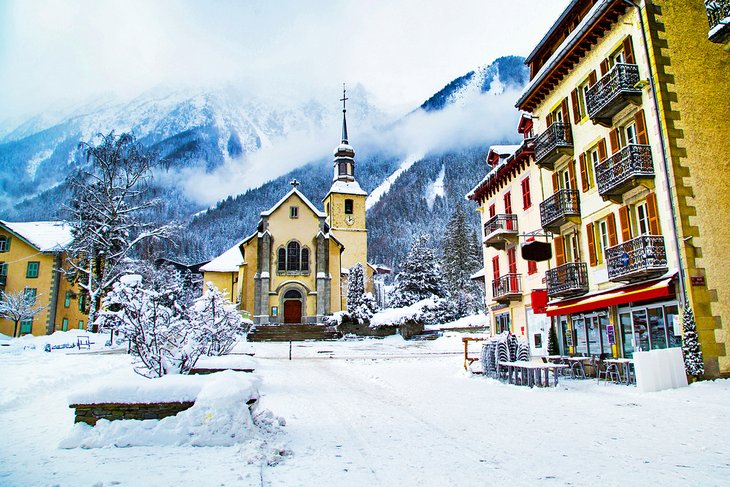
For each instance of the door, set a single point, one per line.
(292, 311)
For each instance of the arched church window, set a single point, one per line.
(348, 207)
(342, 168)
(281, 265)
(292, 256)
(305, 260)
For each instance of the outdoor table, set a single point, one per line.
(579, 360)
(624, 363)
(524, 372)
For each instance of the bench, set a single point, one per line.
(82, 341)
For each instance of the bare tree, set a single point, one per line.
(19, 306)
(106, 214)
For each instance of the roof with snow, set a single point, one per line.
(347, 187)
(301, 196)
(503, 170)
(504, 150)
(53, 236)
(228, 261)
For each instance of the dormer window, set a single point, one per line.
(293, 212)
(348, 207)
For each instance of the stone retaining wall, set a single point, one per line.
(91, 413)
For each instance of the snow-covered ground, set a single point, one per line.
(380, 412)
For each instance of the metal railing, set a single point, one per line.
(570, 278)
(632, 161)
(556, 135)
(507, 285)
(564, 202)
(507, 222)
(620, 79)
(640, 256)
(717, 12)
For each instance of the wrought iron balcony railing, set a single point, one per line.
(507, 287)
(626, 169)
(613, 92)
(499, 229)
(554, 142)
(563, 206)
(639, 258)
(569, 279)
(718, 16)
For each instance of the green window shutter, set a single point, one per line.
(26, 326)
(81, 324)
(67, 300)
(64, 324)
(32, 270)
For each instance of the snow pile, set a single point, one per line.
(64, 340)
(396, 316)
(240, 362)
(219, 417)
(473, 321)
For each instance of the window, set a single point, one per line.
(32, 270)
(582, 97)
(30, 294)
(293, 259)
(81, 324)
(348, 207)
(292, 256)
(593, 159)
(642, 219)
(508, 202)
(281, 266)
(572, 252)
(3, 269)
(293, 212)
(64, 324)
(26, 326)
(305, 260)
(492, 210)
(526, 200)
(67, 299)
(4, 243)
(629, 134)
(82, 302)
(602, 239)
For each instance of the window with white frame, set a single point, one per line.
(642, 219)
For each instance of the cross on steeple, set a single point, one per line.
(294, 183)
(344, 98)
(344, 112)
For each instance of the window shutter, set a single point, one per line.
(623, 218)
(495, 267)
(492, 210)
(604, 67)
(613, 138)
(583, 172)
(559, 250)
(566, 112)
(512, 260)
(602, 150)
(592, 78)
(508, 202)
(7, 243)
(629, 51)
(549, 119)
(651, 209)
(571, 174)
(641, 127)
(556, 182)
(574, 102)
(591, 244)
(611, 220)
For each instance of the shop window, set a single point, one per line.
(502, 322)
(348, 207)
(293, 212)
(26, 326)
(31, 271)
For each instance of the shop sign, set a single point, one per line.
(697, 280)
(611, 334)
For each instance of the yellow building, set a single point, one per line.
(507, 200)
(31, 255)
(626, 99)
(294, 268)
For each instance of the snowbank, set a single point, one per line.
(63, 340)
(226, 362)
(219, 417)
(395, 316)
(473, 321)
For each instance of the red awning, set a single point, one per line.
(639, 292)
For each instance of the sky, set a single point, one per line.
(54, 53)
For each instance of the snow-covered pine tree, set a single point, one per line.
(690, 343)
(461, 257)
(553, 347)
(420, 277)
(360, 305)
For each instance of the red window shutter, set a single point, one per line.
(611, 220)
(495, 267)
(531, 267)
(508, 202)
(559, 250)
(583, 172)
(651, 209)
(492, 210)
(512, 260)
(602, 150)
(576, 108)
(526, 200)
(641, 127)
(566, 112)
(556, 182)
(591, 245)
(571, 174)
(549, 119)
(613, 138)
(592, 78)
(623, 218)
(604, 67)
(629, 51)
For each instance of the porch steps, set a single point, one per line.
(292, 332)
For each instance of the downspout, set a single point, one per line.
(662, 141)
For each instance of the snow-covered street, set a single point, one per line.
(383, 412)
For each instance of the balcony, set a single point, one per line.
(640, 258)
(567, 280)
(612, 93)
(718, 16)
(562, 207)
(556, 141)
(500, 230)
(507, 288)
(630, 167)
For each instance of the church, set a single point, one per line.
(294, 267)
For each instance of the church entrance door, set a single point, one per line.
(292, 311)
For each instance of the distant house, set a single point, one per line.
(31, 256)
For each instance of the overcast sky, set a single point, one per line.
(57, 52)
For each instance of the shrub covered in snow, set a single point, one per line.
(360, 305)
(218, 324)
(420, 278)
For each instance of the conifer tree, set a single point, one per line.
(690, 343)
(553, 348)
(420, 277)
(461, 258)
(360, 305)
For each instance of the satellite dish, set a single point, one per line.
(537, 251)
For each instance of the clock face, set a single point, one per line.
(349, 220)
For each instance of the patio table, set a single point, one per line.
(625, 364)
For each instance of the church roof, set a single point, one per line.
(301, 196)
(228, 261)
(346, 187)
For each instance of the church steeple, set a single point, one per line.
(344, 153)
